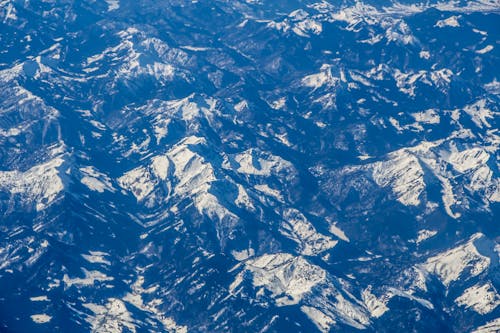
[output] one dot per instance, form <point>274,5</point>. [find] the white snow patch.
<point>139,181</point>
<point>10,11</point>
<point>296,227</point>
<point>303,28</point>
<point>195,175</point>
<point>40,185</point>
<point>160,166</point>
<point>404,174</point>
<point>480,113</point>
<point>208,204</point>
<point>151,306</point>
<point>338,232</point>
<point>41,318</point>
<point>279,103</point>
<point>425,234</point>
<point>288,278</point>
<point>402,293</point>
<point>241,106</point>
<point>90,278</point>
<point>252,162</point>
<point>482,179</point>
<point>111,318</point>
<point>376,306</point>
<point>324,77</point>
<point>485,49</point>
<point>490,327</point>
<point>243,254</point>
<point>468,159</point>
<point>142,181</point>
<point>321,320</point>
<point>451,21</point>
<point>194,48</point>
<point>113,4</point>
<point>95,180</point>
<point>427,117</point>
<point>481,298</point>
<point>482,33</point>
<point>448,196</point>
<point>192,171</point>
<point>188,109</point>
<point>97,257</point>
<point>425,55</point>
<point>243,199</point>
<point>273,193</point>
<point>450,265</point>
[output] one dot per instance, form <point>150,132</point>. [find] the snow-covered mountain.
<point>249,166</point>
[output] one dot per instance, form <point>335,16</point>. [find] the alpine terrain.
<point>249,166</point>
